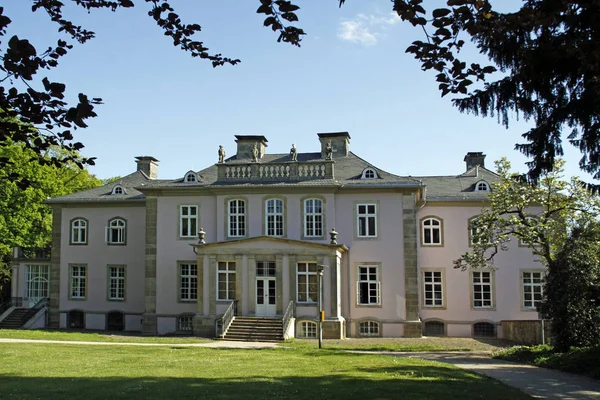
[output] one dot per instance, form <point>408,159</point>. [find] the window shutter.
<point>357,292</point>
<point>107,234</point>
<point>378,292</point>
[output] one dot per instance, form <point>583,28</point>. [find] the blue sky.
<point>351,74</point>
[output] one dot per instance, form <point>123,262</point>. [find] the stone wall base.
<point>203,326</point>
<point>413,329</point>
<point>334,329</point>
<point>149,324</point>
<point>525,332</point>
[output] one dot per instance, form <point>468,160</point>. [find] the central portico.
<point>264,275</point>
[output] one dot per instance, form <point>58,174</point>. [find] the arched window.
<point>79,231</point>
<point>307,330</point>
<point>115,231</point>
<point>190,177</point>
<point>431,234</point>
<point>237,218</point>
<point>368,328</point>
<point>274,217</point>
<point>184,323</point>
<point>433,328</point>
<point>484,329</point>
<point>313,218</point>
<point>118,189</point>
<point>482,186</point>
<point>369,173</point>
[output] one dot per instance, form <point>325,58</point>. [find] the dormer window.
<point>482,186</point>
<point>190,177</point>
<point>118,189</point>
<point>369,173</point>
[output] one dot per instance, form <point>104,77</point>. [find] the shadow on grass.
<point>406,382</point>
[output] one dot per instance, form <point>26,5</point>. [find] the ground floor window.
<point>115,321</point>
<point>433,328</point>
<point>307,283</point>
<point>308,330</point>
<point>484,329</point>
<point>368,328</point>
<point>226,280</point>
<point>76,319</point>
<point>368,286</point>
<point>184,323</point>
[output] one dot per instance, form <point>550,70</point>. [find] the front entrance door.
<point>265,297</point>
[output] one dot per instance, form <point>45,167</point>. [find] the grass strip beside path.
<point>71,336</point>
<point>32,371</point>
<point>582,361</point>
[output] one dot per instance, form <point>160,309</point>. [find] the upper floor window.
<point>532,288</point>
<point>190,177</point>
<point>115,231</point>
<point>366,215</point>
<point>188,221</point>
<point>237,218</point>
<point>369,173</point>
<point>274,217</point>
<point>118,189</point>
<point>431,231</point>
<point>482,186</point>
<point>474,227</point>
<point>79,231</point>
<point>313,218</point>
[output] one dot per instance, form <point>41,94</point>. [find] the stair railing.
<point>5,306</point>
<point>42,303</point>
<point>222,324</point>
<point>287,317</point>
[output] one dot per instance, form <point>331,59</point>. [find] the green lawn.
<point>34,371</point>
<point>93,337</point>
<point>581,361</point>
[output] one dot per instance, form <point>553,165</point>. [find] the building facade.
<point>170,256</point>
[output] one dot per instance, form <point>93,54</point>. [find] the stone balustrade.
<point>282,172</point>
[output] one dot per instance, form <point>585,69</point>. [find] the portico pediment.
<point>268,242</point>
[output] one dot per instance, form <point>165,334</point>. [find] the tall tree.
<point>558,221</point>
<point>24,218</point>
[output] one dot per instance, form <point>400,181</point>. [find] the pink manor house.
<point>238,250</point>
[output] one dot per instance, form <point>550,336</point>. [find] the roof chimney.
<point>340,141</point>
<point>245,146</point>
<point>473,159</point>
<point>148,165</point>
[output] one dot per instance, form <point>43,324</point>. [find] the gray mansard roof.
<point>457,187</point>
<point>347,174</point>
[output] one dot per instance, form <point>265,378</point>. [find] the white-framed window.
<point>482,186</point>
<point>118,189</point>
<point>37,281</point>
<point>115,231</point>
<point>313,218</point>
<point>274,217</point>
<point>188,282</point>
<point>185,323</point>
<point>116,283</point>
<point>79,228</point>
<point>308,330</point>
<point>368,328</point>
<point>431,231</point>
<point>366,220</point>
<point>532,288</point>
<point>226,280</point>
<point>433,289</point>
<point>190,177</point>
<point>369,173</point>
<point>482,282</point>
<point>307,284</point>
<point>188,221</point>
<point>237,218</point>
<point>77,282</point>
<point>368,287</point>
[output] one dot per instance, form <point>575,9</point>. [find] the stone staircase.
<point>17,318</point>
<point>255,329</point>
